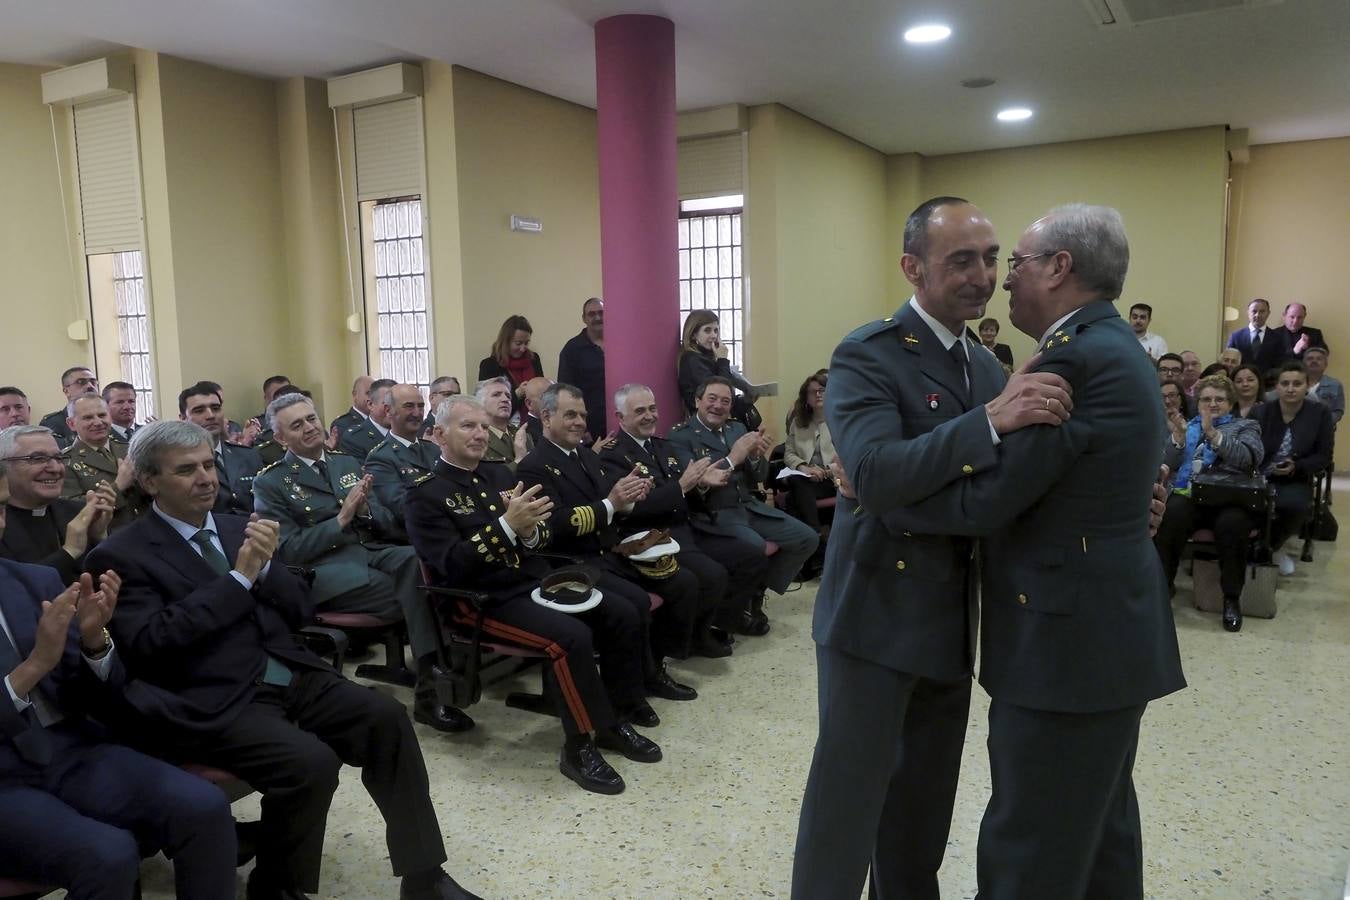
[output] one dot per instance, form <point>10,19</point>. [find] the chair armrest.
<point>325,641</point>
<point>477,598</point>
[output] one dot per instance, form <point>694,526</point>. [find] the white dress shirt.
<point>45,713</point>
<point>187,530</point>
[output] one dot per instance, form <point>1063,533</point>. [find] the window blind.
<point>389,150</point>
<point>109,174</point>
<point>710,167</point>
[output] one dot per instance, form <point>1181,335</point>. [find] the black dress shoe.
<point>625,739</point>
<point>443,718</point>
<point>439,887</point>
<point>581,761</point>
<point>708,645</point>
<point>260,889</point>
<point>644,715</point>
<point>1232,614</point>
<point>750,625</point>
<point>667,688</point>
<point>246,836</point>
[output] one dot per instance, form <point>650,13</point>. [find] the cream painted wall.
<point>519,151</point>
<point>904,191</point>
<point>1289,223</point>
<point>1168,186</point>
<point>443,237</point>
<point>34,254</point>
<point>818,246</point>
<point>222,167</point>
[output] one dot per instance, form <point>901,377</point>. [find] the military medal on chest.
<point>933,401</point>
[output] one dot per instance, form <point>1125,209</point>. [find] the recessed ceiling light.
<point>927,34</point>
<point>1014,114</point>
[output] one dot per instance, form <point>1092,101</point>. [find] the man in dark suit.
<point>236,466</point>
<point>582,363</point>
<point>586,503</point>
<point>1260,346</point>
<point>913,402</point>
<point>731,573</point>
<point>42,527</point>
<point>1077,630</point>
<point>475,526</point>
<point>205,625</point>
<point>1296,337</point>
<point>79,811</point>
<point>75,382</point>
<point>404,456</point>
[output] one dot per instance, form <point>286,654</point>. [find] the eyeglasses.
<point>38,460</point>
<point>89,382</point>
<point>816,392</point>
<point>1015,261</point>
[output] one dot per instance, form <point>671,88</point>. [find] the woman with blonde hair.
<point>511,358</point>
<point>703,355</point>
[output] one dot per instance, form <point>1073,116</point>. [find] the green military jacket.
<point>88,466</point>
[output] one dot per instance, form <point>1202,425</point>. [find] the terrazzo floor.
<point>1243,778</point>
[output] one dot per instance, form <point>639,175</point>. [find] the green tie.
<point>276,672</point>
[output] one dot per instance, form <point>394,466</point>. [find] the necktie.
<point>34,744</point>
<point>322,468</point>
<point>1256,341</point>
<point>958,354</point>
<point>276,672</point>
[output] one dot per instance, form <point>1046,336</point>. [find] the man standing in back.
<point>582,363</point>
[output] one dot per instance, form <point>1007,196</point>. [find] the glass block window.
<point>710,268</point>
<point>399,307</point>
<point>133,329</point>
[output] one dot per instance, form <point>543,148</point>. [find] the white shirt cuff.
<point>992,433</point>
<point>609,510</point>
<point>20,703</point>
<point>248,585</point>
<point>506,529</point>
<point>103,666</point>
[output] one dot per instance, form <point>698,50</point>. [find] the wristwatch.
<point>100,652</point>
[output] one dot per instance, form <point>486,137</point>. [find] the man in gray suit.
<point>913,403</point>
<point>1078,633</point>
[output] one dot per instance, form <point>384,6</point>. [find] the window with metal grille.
<point>396,296</point>
<point>121,317</point>
<point>710,266</point>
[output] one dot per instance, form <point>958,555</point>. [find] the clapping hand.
<point>125,474</point>
<point>94,608</point>
<point>260,543</point>
<point>1157,504</point>
<point>693,474</point>
<point>628,490</point>
<point>354,504</point>
<point>53,629</point>
<point>526,509</point>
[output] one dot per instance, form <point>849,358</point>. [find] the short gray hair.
<point>548,400</point>
<point>1095,237</point>
<point>92,395</point>
<point>480,392</point>
<point>9,438</point>
<point>448,405</point>
<point>283,402</point>
<point>149,443</point>
<point>621,395</point>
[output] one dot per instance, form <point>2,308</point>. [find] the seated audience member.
<point>512,359</point>
<point>1214,368</point>
<point>581,363</point>
<point>121,399</point>
<point>733,510</point>
<point>14,408</point>
<point>1298,438</point>
<point>1190,371</point>
<point>271,384</point>
<point>529,419</point>
<point>79,811</point>
<point>95,458</point>
<point>1174,410</point>
<point>361,438</point>
<point>507,443</point>
<point>989,338</point>
<point>1294,336</point>
<point>205,624</point>
<point>1141,316</point>
<point>43,528</point>
<point>730,573</point>
<point>1259,345</point>
<point>266,442</point>
<point>1321,387</point>
<point>475,526</point>
<point>1247,382</point>
<point>809,450</point>
<point>1230,358</point>
<point>703,356</point>
<point>440,390</point>
<point>404,456</point>
<point>1220,441</point>
<point>75,382</point>
<point>355,417</point>
<point>586,503</point>
<point>230,429</point>
<point>331,522</point>
<point>1169,369</point>
<point>236,465</point>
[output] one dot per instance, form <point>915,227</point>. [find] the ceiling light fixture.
<point>1014,114</point>
<point>927,34</point>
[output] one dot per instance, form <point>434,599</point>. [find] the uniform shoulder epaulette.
<point>678,426</point>
<point>270,466</point>
<point>421,479</point>
<point>871,329</point>
<point>378,446</point>
<point>336,452</point>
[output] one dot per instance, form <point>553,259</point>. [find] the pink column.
<point>639,206</point>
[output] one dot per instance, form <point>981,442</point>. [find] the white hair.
<point>621,395</point>
<point>447,407</point>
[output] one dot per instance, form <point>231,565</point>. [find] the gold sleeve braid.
<point>583,519</point>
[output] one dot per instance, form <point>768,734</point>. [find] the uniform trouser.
<point>796,542</point>
<point>1231,525</point>
<point>745,566</point>
<point>613,627</point>
<point>81,822</point>
<point>671,627</point>
<point>392,591</point>
<point>289,743</point>
<point>1062,822</point>
<point>882,782</point>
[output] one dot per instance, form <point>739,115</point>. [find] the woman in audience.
<point>1215,441</point>
<point>1247,383</point>
<point>511,358</point>
<point>809,450</point>
<point>1297,436</point>
<point>703,355</point>
<point>989,337</point>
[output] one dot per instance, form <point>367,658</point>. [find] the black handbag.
<point>1242,490</point>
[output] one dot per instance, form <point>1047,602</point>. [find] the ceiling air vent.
<point>1136,12</point>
